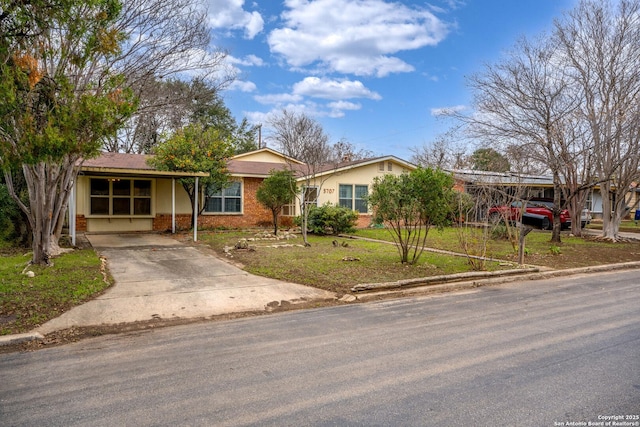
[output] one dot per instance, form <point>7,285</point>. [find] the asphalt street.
<point>536,353</point>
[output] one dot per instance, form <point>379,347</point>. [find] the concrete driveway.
<point>157,277</point>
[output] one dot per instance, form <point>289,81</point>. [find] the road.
<point>539,353</point>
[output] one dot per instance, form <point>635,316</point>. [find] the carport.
<point>119,192</point>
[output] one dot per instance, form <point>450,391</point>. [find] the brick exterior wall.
<point>254,214</point>
<point>81,223</point>
<point>364,221</point>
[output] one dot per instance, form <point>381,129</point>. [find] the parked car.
<point>538,213</point>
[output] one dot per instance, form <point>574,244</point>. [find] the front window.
<point>120,197</point>
<point>227,200</point>
<point>288,210</point>
<point>353,197</point>
<point>311,196</point>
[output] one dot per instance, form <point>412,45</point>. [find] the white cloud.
<point>230,15</point>
<point>443,111</point>
<point>278,98</point>
<point>242,86</point>
<point>344,105</point>
<point>333,89</point>
<point>354,36</point>
<point>338,108</point>
<point>247,61</point>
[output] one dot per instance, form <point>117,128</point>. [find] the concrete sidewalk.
<point>157,277</point>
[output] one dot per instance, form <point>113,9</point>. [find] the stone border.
<point>432,280</point>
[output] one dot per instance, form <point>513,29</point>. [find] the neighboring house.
<point>528,186</point>
<point>119,192</point>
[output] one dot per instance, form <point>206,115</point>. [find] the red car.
<point>537,213</point>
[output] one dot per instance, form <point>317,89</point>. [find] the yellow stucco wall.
<point>261,156</point>
<point>163,203</point>
<point>364,175</point>
<point>159,205</point>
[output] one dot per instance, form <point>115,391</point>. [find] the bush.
<point>330,219</point>
<point>9,217</point>
<point>500,232</point>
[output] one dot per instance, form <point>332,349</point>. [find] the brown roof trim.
<point>128,164</point>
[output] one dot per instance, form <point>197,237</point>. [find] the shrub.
<point>10,219</point>
<point>555,250</point>
<point>500,232</point>
<point>330,219</point>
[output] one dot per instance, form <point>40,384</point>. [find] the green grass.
<point>571,252</point>
<point>447,239</point>
<point>27,302</point>
<point>626,225</point>
<point>323,264</point>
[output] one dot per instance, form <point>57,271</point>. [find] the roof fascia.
<point>361,164</point>
<point>141,172</point>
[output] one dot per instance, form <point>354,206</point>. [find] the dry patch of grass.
<point>332,263</point>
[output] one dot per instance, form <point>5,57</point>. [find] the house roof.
<point>129,164</point>
<point>136,164</point>
<point>501,178</point>
<point>253,169</point>
<point>332,168</point>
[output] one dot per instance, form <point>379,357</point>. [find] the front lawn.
<point>572,252</point>
<point>28,302</point>
<point>332,263</point>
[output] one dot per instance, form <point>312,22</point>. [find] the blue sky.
<point>370,71</point>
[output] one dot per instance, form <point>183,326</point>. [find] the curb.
<point>20,338</point>
<point>541,275</point>
<point>443,279</point>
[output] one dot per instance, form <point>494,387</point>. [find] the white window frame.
<point>223,197</point>
<point>132,197</point>
<point>353,198</point>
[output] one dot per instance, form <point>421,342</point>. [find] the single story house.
<point>118,192</point>
<point>471,181</point>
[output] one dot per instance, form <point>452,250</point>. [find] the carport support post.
<point>72,213</point>
<point>173,206</point>
<point>195,213</point>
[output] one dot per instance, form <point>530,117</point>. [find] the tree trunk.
<point>557,208</point>
<point>521,242</point>
<point>48,186</point>
<point>305,221</point>
<point>576,205</point>
<point>609,232</point>
<point>274,212</point>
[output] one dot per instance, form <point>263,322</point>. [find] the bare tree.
<point>445,152</point>
<point>601,41</point>
<point>302,138</point>
<point>172,105</point>
<point>167,43</point>
<point>521,161</point>
<point>344,151</point>
<point>527,100</point>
